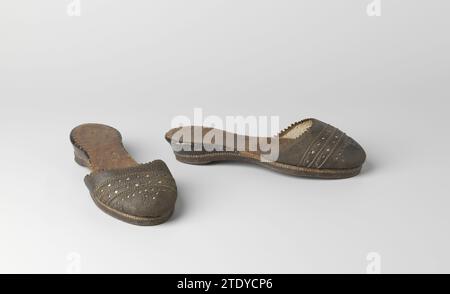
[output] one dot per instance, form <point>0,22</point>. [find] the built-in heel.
<point>81,157</point>
<point>192,159</point>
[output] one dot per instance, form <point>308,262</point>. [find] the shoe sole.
<point>215,156</point>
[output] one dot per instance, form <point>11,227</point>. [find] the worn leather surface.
<point>146,190</point>
<point>321,146</point>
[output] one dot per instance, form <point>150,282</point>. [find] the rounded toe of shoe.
<point>350,157</point>
<point>353,156</point>
<point>159,203</point>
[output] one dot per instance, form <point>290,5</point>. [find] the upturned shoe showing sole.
<point>309,148</point>
<point>140,194</point>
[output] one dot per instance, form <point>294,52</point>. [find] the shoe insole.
<point>99,147</point>
<point>219,139</point>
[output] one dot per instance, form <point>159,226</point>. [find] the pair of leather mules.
<point>145,194</point>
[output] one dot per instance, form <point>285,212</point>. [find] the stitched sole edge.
<point>201,159</point>
<point>131,219</point>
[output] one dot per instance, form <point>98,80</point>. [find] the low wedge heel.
<point>80,157</point>
<point>139,194</point>
<point>192,159</point>
<point>308,148</point>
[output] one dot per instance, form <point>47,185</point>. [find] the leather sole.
<point>215,156</point>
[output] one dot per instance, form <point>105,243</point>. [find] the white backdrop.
<point>137,64</point>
